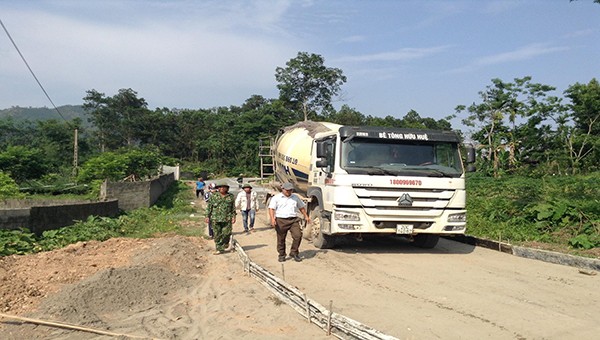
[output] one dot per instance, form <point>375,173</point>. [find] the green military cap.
<point>221,184</point>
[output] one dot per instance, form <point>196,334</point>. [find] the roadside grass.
<point>559,213</point>
<point>170,215</point>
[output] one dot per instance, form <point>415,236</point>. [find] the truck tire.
<point>319,239</point>
<point>323,241</point>
<point>426,241</point>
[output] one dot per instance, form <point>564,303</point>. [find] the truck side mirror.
<point>321,150</point>
<point>322,161</point>
<point>470,154</point>
<point>470,150</point>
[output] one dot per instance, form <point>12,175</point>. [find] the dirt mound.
<point>27,279</point>
<point>167,288</point>
<point>111,295</point>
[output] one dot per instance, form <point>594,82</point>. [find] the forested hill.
<point>43,113</point>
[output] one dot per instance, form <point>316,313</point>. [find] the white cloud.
<point>523,53</point>
<point>209,60</point>
<point>579,33</point>
<point>403,54</point>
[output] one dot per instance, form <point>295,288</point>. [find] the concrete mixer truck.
<point>374,180</point>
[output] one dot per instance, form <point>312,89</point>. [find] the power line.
<point>32,73</point>
<point>75,147</point>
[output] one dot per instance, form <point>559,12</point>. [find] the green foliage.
<point>94,228</point>
<point>23,163</point>
<point>54,184</point>
<point>42,113</point>
<point>307,85</point>
<point>127,163</point>
<point>17,242</point>
<point>120,120</point>
<point>8,187</point>
<point>562,210</point>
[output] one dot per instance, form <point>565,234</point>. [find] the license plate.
<point>404,229</point>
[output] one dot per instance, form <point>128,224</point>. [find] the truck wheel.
<point>319,239</point>
<point>426,241</point>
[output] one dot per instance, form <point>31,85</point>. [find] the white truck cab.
<point>376,180</point>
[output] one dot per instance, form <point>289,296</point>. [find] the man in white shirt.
<point>283,210</point>
<point>247,202</point>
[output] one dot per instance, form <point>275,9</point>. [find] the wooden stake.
<point>307,307</point>
<point>329,317</point>
<point>72,327</point>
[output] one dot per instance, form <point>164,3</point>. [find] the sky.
<point>398,55</point>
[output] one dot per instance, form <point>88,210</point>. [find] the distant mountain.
<point>44,113</point>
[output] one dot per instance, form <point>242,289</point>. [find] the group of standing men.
<point>283,208</point>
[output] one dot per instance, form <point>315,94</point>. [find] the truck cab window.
<point>400,157</point>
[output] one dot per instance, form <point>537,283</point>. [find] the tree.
<point>307,85</point>
<point>582,140</point>
<point>23,163</point>
<point>504,104</point>
<point>347,116</point>
<point>125,164</point>
<point>119,119</point>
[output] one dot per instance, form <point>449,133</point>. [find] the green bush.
<point>8,187</point>
<point>556,209</point>
<point>135,164</point>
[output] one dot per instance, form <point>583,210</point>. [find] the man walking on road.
<point>246,201</point>
<point>220,213</point>
<point>283,210</point>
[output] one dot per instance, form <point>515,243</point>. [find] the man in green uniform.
<point>220,212</point>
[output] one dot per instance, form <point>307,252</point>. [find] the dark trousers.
<point>282,227</point>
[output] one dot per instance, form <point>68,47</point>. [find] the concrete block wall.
<point>14,218</point>
<point>160,185</point>
<point>39,216</point>
<point>165,169</point>
<point>44,218</point>
<point>135,195</point>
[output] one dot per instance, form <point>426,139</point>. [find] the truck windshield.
<point>369,156</point>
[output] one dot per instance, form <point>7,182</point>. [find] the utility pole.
<point>75,147</point>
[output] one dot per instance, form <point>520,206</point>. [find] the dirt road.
<point>173,288</point>
<point>454,291</point>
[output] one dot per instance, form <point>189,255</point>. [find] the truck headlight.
<point>457,218</point>
<point>346,216</point>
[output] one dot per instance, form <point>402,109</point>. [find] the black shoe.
<point>281,259</point>
<point>297,258</point>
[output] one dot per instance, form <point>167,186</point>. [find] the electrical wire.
<point>33,74</point>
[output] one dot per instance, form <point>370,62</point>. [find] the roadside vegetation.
<point>170,215</point>
<point>537,174</point>
<point>555,213</point>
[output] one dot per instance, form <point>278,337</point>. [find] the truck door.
<point>324,160</point>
